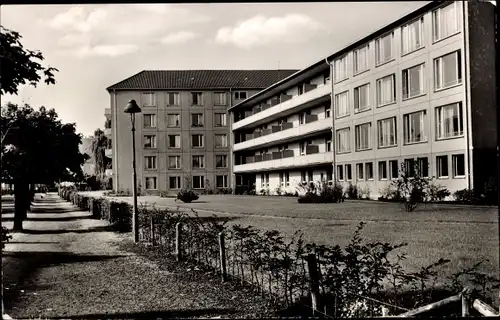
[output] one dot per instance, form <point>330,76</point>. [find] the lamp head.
<point>132,107</point>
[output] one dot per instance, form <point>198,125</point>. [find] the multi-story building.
<point>420,89</point>
<point>109,138</point>
<point>182,133</point>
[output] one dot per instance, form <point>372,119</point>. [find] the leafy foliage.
<point>320,192</point>
<point>187,195</point>
<point>99,145</point>
<point>410,186</point>
<point>20,65</point>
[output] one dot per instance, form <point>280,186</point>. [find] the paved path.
<point>67,265</point>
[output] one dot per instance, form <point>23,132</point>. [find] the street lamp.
<point>132,108</point>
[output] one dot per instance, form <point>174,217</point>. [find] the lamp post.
<point>132,108</point>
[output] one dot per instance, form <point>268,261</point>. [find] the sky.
<point>95,46</point>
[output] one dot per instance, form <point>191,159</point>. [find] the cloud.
<point>178,37</point>
<point>94,29</point>
<point>261,30</point>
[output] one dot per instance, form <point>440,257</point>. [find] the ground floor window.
<point>198,182</point>
<point>458,165</point>
<point>348,172</point>
<point>151,183</point>
<point>382,170</point>
<point>393,169</point>
<point>174,182</point>
<point>340,172</point>
<point>442,166</point>
<point>359,171</point>
<point>221,181</point>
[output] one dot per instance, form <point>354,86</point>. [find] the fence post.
<point>178,241</point>
<point>465,296</point>
<point>222,248</point>
<point>312,265</point>
<point>152,226</point>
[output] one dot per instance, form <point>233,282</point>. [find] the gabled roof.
<point>201,79</point>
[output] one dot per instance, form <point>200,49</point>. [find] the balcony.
<point>287,161</point>
<point>107,132</point>
<point>107,111</point>
<point>286,133</point>
<point>108,153</point>
<point>287,106</point>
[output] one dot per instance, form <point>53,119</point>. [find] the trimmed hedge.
<point>119,214</point>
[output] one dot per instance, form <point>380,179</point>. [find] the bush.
<point>352,191</point>
<point>187,195</point>
<point>5,236</point>
<point>436,193</point>
<point>321,192</point>
<point>465,196</point>
<point>410,187</point>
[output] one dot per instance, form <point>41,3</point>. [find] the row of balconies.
<point>277,128</point>
<point>285,159</point>
<point>281,104</point>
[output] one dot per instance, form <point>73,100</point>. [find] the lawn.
<point>463,234</point>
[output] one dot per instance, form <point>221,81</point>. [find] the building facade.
<point>86,148</point>
<point>182,133</point>
<point>420,89</point>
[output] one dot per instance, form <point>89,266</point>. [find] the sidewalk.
<point>67,265</point>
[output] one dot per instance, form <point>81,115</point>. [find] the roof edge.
<point>114,85</point>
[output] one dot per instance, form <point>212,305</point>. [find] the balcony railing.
<point>311,118</point>
<point>284,159</point>
<point>107,131</point>
<point>285,102</point>
<point>284,132</point>
<point>108,153</point>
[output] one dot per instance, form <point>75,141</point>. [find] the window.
<point>361,59</point>
<point>387,132</point>
<point>221,161</point>
<point>369,170</point>
<point>220,98</point>
<point>150,162</point>
<point>384,48</point>
<point>197,141</point>
<point>328,144</point>
<point>173,99</point>
<point>423,167</point>
<point>302,176</point>
<point>340,66</point>
<point>340,172</point>
<point>220,120</point>
<point>413,81</point>
<point>410,167</point>
<point>386,90</point>
<point>414,127</point>
<point>240,95</point>
<point>458,161</point>
<point>221,141</point>
<point>173,120</point>
<point>174,162</point>
<point>393,169</point>
<point>221,181</point>
<point>442,166</point>
<point>343,140</point>
<point>445,21</point>
<point>348,172</point>
<point>196,98</point>
<point>198,162</point>
<point>449,121</point>
<point>174,182</point>
<point>359,171</point>
<point>197,119</point>
<point>287,178</point>
<point>149,141</point>
<point>148,99</point>
<point>198,182</point>
<point>264,179</point>
<point>309,175</point>
<point>363,136</point>
<point>382,170</point>
<point>174,140</point>
<point>362,98</point>
<point>328,112</point>
<point>342,104</point>
<point>447,70</point>
<point>412,36</point>
<point>149,120</point>
<point>150,183</point>
<point>303,146</point>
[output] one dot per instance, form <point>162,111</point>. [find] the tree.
<point>99,145</point>
<point>39,149</point>
<point>19,65</point>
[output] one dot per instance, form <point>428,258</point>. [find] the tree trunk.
<point>21,203</point>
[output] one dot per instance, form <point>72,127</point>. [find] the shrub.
<point>187,195</point>
<point>321,192</point>
<point>410,186</point>
<point>5,236</point>
<point>436,193</point>
<point>352,191</point>
<point>490,192</point>
<point>465,196</point>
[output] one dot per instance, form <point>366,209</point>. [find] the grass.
<point>463,234</point>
